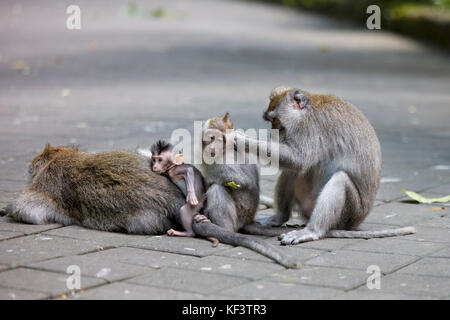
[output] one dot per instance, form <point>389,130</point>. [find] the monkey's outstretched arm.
<point>189,178</point>
<point>287,158</point>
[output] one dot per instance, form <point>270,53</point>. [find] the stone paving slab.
<point>430,234</point>
<point>233,54</point>
<point>320,276</point>
<point>443,189</point>
<point>9,235</point>
<point>444,253</point>
<point>401,214</point>
<point>189,246</point>
<point>361,260</point>
<point>92,266</point>
<point>363,293</point>
<point>129,291</point>
<point>51,283</point>
<point>299,254</point>
<point>438,267</point>
<point>232,266</point>
<point>442,221</point>
<point>105,239</point>
<point>198,281</point>
<point>143,257</point>
<point>420,286</point>
<point>12,185</point>
<point>20,251</point>
<point>280,290</point>
<point>8,224</point>
<point>397,246</point>
<point>403,286</point>
<point>16,294</point>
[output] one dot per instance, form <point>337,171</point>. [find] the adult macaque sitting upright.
<point>331,162</point>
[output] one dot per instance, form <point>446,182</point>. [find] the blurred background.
<point>137,70</point>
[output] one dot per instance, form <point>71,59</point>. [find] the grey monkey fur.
<point>113,191</point>
<point>232,210</point>
<point>331,165</point>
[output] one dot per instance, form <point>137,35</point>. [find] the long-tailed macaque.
<point>233,197</point>
<point>112,191</point>
<point>167,161</point>
<point>331,162</point>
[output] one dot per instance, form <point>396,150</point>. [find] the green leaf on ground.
<point>419,198</point>
<point>232,185</point>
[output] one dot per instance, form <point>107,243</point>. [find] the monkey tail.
<point>370,234</point>
<point>8,210</point>
<point>208,229</point>
<point>261,230</point>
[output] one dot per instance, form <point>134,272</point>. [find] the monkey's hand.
<point>236,137</point>
<point>200,218</point>
<point>191,199</point>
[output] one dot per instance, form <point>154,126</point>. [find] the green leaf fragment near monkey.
<point>232,185</point>
<point>421,199</point>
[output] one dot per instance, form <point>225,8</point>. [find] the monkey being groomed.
<point>331,165</point>
<point>116,191</point>
<point>233,197</point>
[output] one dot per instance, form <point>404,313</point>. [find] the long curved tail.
<point>208,229</point>
<point>370,234</point>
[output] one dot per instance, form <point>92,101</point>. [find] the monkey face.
<point>161,163</point>
<point>286,108</point>
<point>213,143</point>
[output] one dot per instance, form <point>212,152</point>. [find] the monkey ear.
<point>226,120</point>
<point>301,101</point>
<point>178,159</point>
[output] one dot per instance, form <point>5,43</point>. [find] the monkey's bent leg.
<point>327,213</point>
<point>187,214</point>
<point>35,208</point>
<point>284,199</point>
<point>221,208</point>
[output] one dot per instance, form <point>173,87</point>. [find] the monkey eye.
<point>213,138</point>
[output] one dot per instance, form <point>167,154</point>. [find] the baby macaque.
<point>166,160</point>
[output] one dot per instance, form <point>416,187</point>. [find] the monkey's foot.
<point>298,236</point>
<point>172,232</point>
<point>200,218</point>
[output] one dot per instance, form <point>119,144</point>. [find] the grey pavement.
<point>132,75</point>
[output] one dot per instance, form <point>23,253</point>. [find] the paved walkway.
<point>133,74</point>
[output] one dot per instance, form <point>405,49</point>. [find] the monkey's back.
<point>350,145</point>
<point>108,191</point>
